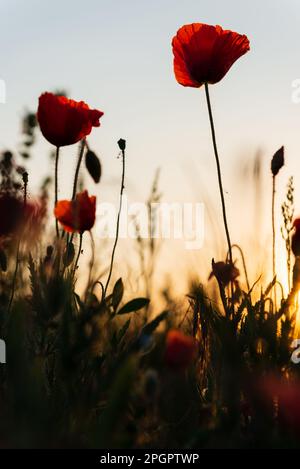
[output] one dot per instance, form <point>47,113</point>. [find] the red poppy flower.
<point>287,395</point>
<point>204,53</point>
<point>225,272</point>
<point>180,350</point>
<point>64,121</point>
<point>77,215</point>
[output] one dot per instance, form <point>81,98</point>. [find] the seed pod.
<point>277,161</point>
<point>122,144</point>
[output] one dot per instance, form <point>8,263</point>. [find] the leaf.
<point>134,305</point>
<point>93,165</point>
<point>118,402</point>
<point>149,328</point>
<point>269,287</point>
<point>117,293</point>
<point>123,331</point>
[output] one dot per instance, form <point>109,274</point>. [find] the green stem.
<point>244,264</point>
<point>78,255</point>
<point>273,235</point>
<point>218,171</point>
<point>81,152</point>
<point>56,187</point>
<point>273,228</point>
<point>118,223</point>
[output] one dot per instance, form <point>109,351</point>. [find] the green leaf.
<point>269,287</point>
<point>117,293</point>
<point>149,328</point>
<point>123,330</point>
<point>134,305</point>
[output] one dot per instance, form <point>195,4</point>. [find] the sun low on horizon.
<point>149,228</point>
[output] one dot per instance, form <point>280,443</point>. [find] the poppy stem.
<point>79,252</point>
<point>56,188</point>
<point>81,152</point>
<point>273,234</point>
<point>118,223</point>
<point>219,171</point>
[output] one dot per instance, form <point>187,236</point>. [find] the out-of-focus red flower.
<point>77,215</point>
<point>17,218</point>
<point>180,350</point>
<point>64,121</point>
<point>35,212</point>
<point>287,395</point>
<point>296,238</point>
<point>225,272</point>
<point>11,213</point>
<point>204,53</point>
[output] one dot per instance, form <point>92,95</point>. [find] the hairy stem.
<point>273,235</point>
<point>56,187</point>
<point>218,171</point>
<point>118,223</point>
<point>81,152</point>
<point>78,255</point>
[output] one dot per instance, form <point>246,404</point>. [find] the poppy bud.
<point>122,144</point>
<point>277,161</point>
<point>93,165</point>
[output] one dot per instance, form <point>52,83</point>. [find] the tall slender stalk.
<point>80,156</point>
<point>218,171</point>
<point>81,152</point>
<point>56,187</point>
<point>273,227</point>
<point>79,252</point>
<point>273,235</point>
<point>244,264</point>
<point>118,222</point>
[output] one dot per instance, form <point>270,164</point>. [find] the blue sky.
<point>116,55</point>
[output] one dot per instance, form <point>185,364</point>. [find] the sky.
<point>116,55</point>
